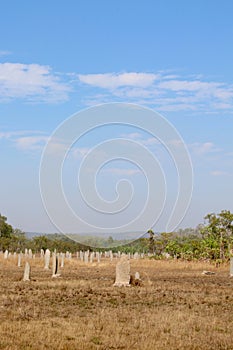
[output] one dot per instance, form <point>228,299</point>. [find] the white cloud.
<point>80,152</point>
<point>203,148</point>
<point>151,141</point>
<point>116,80</point>
<point>184,85</point>
<point>30,143</point>
<point>4,53</point>
<point>176,142</point>
<point>136,136</point>
<point>25,140</point>
<point>35,141</point>
<point>222,106</point>
<point>56,146</point>
<point>123,172</point>
<point>163,91</point>
<point>132,136</point>
<point>33,82</point>
<point>13,134</point>
<point>219,173</point>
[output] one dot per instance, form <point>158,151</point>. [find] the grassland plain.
<point>176,307</point>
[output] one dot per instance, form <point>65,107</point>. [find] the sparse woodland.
<point>212,240</point>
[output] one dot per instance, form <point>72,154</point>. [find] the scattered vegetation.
<point>211,241</point>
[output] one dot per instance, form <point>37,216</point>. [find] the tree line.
<point>212,240</point>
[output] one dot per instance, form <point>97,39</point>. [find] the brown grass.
<point>176,307</point>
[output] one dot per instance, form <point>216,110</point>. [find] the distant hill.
<point>31,235</point>
<point>116,236</point>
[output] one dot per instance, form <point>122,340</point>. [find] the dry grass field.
<point>175,308</point>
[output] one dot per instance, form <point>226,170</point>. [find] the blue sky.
<point>58,58</point>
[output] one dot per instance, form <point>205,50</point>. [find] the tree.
<point>219,233</point>
<point>6,230</point>
<point>11,239</point>
<point>151,241</point>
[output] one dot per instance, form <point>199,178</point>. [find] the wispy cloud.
<point>31,82</point>
<point>122,172</point>
<point>80,152</point>
<point>117,80</point>
<point>4,53</point>
<point>35,141</point>
<point>198,150</point>
<point>164,91</point>
<point>25,140</point>
<point>161,90</point>
<point>15,133</point>
<point>219,173</point>
<point>132,136</point>
<point>146,141</point>
<point>31,143</point>
<point>203,148</point>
